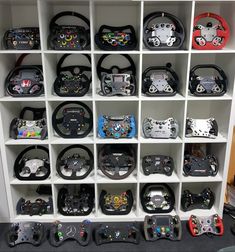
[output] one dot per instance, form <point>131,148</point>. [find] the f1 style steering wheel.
<point>73,164</point>
<point>210,37</point>
<point>32,168</point>
<point>75,121</point>
<point>72,80</point>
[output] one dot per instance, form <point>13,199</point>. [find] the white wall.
<point>4,210</point>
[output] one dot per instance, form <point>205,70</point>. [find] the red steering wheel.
<point>210,37</point>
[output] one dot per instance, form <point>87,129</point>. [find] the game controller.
<point>162,227</point>
<point>203,200</point>
<point>210,37</point>
<point>160,81</point>
<point>72,81</point>
<point>157,198</point>
<point>116,80</point>
<point>32,168</point>
<point>75,162</point>
<point>25,232</point>
<point>116,38</point>
<point>201,128</point>
<point>116,127</point>
<point>200,166</point>
<point>161,164</point>
<point>168,128</point>
<point>205,85</point>
<point>39,207</point>
<point>76,120</point>
<point>206,225</point>
<point>25,38</point>
<point>21,128</point>
<point>163,35</point>
<point>69,37</point>
<point>24,80</point>
<point>61,232</point>
<point>116,204</point>
<point>117,233</point>
<point>73,202</point>
<point>117,161</point>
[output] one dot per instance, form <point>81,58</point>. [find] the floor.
<point>188,243</point>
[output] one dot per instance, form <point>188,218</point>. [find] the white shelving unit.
<point>18,13</point>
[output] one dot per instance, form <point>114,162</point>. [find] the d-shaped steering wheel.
<point>76,120</point>
<point>73,164</point>
<point>210,37</point>
<point>32,168</point>
<point>72,80</point>
<point>117,161</point>
<point>122,82</point>
<point>161,35</point>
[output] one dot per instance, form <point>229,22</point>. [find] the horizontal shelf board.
<point>126,217</point>
<point>151,140</point>
<point>225,50</point>
<point>197,212</point>
<point>158,178</point>
<point>191,179</point>
<point>64,218</point>
<point>68,51</point>
<point>97,51</point>
<point>59,140</point>
<point>26,142</point>
<point>20,51</point>
<point>102,179</point>
<point>61,181</point>
<point>98,97</point>
<point>16,181</point>
<point>20,99</point>
<point>207,98</point>
<point>146,51</point>
<point>177,97</point>
<point>42,218</point>
<point>87,97</point>
<point>111,140</point>
<point>218,139</point>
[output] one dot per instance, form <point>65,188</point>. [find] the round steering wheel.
<point>117,161</point>
<point>72,80</point>
<point>210,37</point>
<point>163,35</point>
<point>102,73</point>
<point>75,122</point>
<point>74,166</point>
<point>35,168</point>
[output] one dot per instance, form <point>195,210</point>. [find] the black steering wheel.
<point>207,85</point>
<point>75,122</point>
<point>72,80</point>
<point>161,35</point>
<point>72,165</point>
<point>32,168</point>
<point>117,161</point>
<point>103,75</point>
<point>157,198</point>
